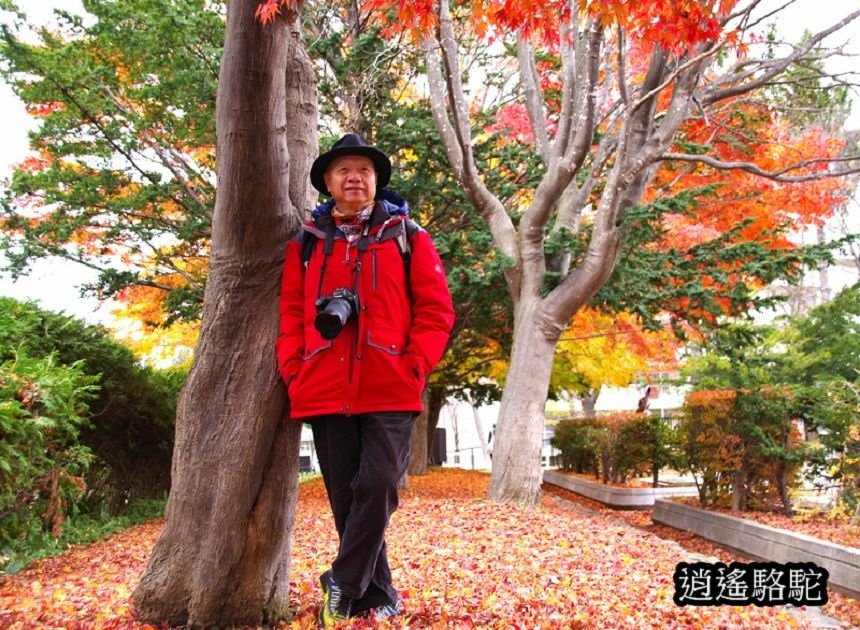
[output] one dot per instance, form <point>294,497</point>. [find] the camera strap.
<point>328,247</point>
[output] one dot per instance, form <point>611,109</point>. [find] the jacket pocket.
<point>392,344</point>
<point>314,345</point>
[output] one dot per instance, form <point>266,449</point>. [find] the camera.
<point>333,311</point>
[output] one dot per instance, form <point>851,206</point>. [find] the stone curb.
<point>613,496</point>
<point>763,542</point>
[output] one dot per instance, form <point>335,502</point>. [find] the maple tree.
<point>601,349</point>
<point>607,88</point>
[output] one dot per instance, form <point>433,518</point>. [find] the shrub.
<point>43,407</point>
<point>647,442</point>
<point>132,414</point>
<point>576,438</point>
<point>743,445</point>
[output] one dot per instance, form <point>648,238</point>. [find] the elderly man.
<point>365,317</point>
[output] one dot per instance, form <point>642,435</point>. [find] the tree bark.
<point>224,555</point>
<point>516,474</point>
<point>420,440</point>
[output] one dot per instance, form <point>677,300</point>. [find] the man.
<point>365,317</point>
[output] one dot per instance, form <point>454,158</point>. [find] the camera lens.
<point>330,320</point>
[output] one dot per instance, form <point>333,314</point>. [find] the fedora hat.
<point>351,144</point>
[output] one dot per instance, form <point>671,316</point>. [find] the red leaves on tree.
<point>675,25</point>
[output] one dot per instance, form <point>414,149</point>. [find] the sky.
<point>55,286</point>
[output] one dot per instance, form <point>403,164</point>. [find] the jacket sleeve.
<point>291,339</point>
<point>432,309</point>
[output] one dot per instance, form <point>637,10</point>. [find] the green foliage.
<point>124,152</point>
<point>576,438</point>
<point>43,407</point>
<point>616,446</point>
<point>815,362</point>
<point>648,281</point>
<point>827,342</point>
<point>130,427</point>
<point>79,528</point>
<point>649,442</point>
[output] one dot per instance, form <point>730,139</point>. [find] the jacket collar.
<point>388,205</point>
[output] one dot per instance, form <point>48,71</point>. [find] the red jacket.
<point>381,358</point>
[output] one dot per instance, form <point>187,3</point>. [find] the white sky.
<point>55,286</point>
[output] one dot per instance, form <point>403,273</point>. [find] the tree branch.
<point>778,175</point>
<point>773,67</point>
<point>533,96</point>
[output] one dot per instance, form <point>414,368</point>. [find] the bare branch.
<point>778,175</point>
<point>456,136</point>
<point>440,113</point>
<point>622,69</point>
<point>533,96</point>
<point>569,34</point>
<point>741,83</point>
<point>672,76</point>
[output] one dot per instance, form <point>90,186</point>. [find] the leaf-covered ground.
<point>459,561</point>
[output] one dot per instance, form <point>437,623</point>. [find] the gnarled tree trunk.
<point>224,555</point>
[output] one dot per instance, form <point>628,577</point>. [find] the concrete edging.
<point>763,542</point>
<point>614,496</point>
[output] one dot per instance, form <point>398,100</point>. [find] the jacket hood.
<point>392,202</point>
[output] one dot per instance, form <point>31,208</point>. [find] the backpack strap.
<point>408,230</point>
<point>308,236</point>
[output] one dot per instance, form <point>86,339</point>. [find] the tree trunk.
<point>782,475</point>
<point>516,475</point>
<point>479,428</point>
<point>224,555</point>
<point>420,442</point>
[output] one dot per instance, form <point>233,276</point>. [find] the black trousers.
<point>362,458</point>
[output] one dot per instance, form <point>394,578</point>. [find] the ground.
<point>458,560</point>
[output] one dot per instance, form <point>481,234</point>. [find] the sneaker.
<point>385,612</point>
<point>336,606</point>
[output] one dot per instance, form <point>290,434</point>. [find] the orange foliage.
<point>40,110</point>
<point>676,25</point>
<point>754,134</point>
<point>459,562</point>
<point>656,347</point>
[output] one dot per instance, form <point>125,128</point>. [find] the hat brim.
<point>380,162</point>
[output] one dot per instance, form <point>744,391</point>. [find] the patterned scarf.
<point>351,226</point>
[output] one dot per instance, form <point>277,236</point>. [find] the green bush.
<point>576,438</point>
<point>648,444</point>
<point>86,433</point>
<point>131,417</point>
<point>78,529</point>
<point>615,446</point>
<point>43,407</point>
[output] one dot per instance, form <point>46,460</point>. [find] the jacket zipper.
<point>373,267</point>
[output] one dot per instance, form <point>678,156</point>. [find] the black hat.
<point>351,144</point>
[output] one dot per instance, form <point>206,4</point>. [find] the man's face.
<point>351,180</point>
